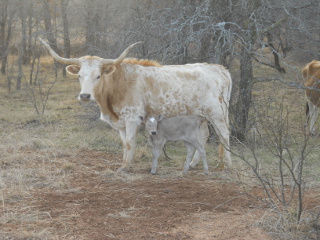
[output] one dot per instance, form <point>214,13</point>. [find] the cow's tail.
<point>230,87</point>
<point>228,97</point>
<point>165,153</point>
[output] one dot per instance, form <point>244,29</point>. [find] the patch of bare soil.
<point>103,204</point>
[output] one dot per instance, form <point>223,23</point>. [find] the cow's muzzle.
<point>85,97</point>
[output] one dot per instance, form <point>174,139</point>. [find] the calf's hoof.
<point>193,164</point>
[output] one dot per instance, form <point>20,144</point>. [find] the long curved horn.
<point>58,58</point>
<point>121,57</point>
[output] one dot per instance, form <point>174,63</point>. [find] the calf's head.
<point>90,70</point>
<point>151,123</point>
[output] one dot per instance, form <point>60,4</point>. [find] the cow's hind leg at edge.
<point>221,127</point>
<point>312,115</point>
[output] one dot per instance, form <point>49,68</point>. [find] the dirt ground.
<point>100,203</point>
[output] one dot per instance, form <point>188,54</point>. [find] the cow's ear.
<point>109,69</point>
<point>160,117</point>
<point>73,69</point>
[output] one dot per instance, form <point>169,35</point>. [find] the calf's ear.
<point>160,117</point>
<point>141,118</point>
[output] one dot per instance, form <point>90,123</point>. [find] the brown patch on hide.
<point>112,90</point>
<point>142,62</point>
<point>91,58</point>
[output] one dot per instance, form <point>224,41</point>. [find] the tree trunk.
<point>66,38</point>
<point>49,30</point>
<point>89,28</point>
<point>244,98</point>
<point>22,45</point>
<point>28,52</point>
<point>5,22</point>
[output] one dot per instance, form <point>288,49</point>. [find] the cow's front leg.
<point>123,140</point>
<point>129,145</point>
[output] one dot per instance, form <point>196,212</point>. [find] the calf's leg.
<point>203,134</point>
<point>156,151</point>
<point>157,146</point>
<point>190,152</point>
<point>195,159</point>
<point>202,152</point>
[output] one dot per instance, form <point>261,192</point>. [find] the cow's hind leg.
<point>221,156</point>
<point>221,128</point>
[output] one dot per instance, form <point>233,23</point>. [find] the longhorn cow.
<point>126,89</point>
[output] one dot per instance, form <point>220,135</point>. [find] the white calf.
<point>190,129</point>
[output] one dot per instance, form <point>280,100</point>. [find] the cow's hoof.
<point>122,169</point>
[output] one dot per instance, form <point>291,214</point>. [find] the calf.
<point>190,129</point>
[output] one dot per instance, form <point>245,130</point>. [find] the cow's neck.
<point>109,93</point>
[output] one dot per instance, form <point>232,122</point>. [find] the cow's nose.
<point>154,133</point>
<point>85,97</point>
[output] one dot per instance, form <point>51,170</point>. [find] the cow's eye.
<point>98,77</point>
<point>79,76</point>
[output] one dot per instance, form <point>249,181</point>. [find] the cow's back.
<point>186,89</point>
<point>311,75</point>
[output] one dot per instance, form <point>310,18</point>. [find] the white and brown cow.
<point>126,89</point>
<point>311,76</point>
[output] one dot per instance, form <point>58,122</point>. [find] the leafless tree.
<point>6,24</point>
<point>223,32</point>
<point>50,31</point>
